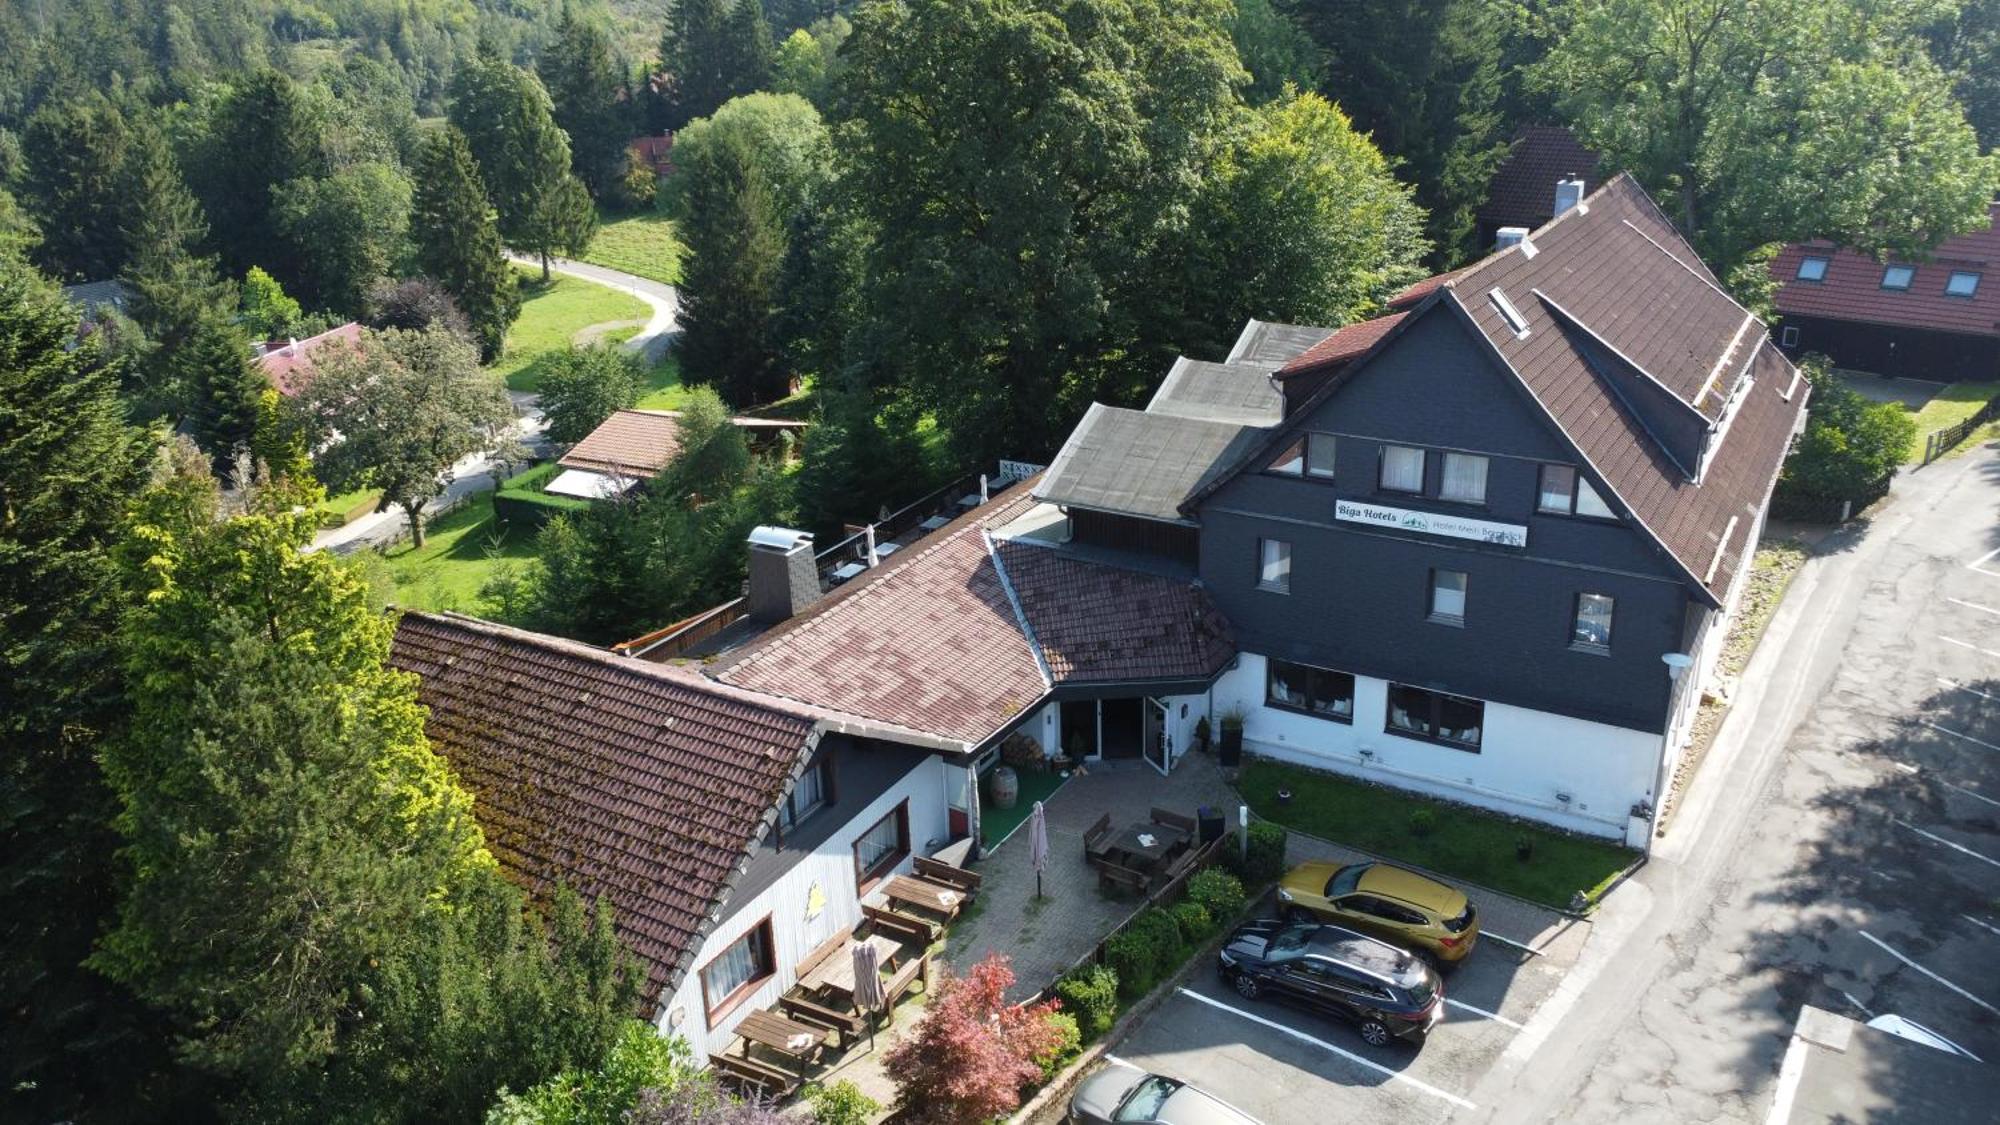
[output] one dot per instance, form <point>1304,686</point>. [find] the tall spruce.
<point>75,162</point>
<point>584,82</point>
<point>174,284</point>
<point>714,51</point>
<point>69,464</point>
<point>458,241</point>
<point>221,385</point>
<point>523,158</point>
<point>261,132</point>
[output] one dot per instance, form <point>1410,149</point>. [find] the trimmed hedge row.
<point>522,503</point>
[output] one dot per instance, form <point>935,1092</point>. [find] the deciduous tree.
<point>347,230</point>
<point>972,1052</point>
<point>582,387</point>
<point>268,312</point>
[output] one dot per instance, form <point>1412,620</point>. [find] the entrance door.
<point>1159,740</point>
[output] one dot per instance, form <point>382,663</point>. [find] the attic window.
<point>1812,269</point>
<point>1963,283</point>
<point>1516,323</point>
<point>1898,277</point>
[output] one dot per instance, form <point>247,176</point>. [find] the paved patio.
<point>1048,935</point>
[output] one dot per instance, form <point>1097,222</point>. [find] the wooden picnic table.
<point>837,971</point>
<point>1141,856</point>
<point>790,1038</point>
<point>929,896</point>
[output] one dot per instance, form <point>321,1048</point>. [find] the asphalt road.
<point>1840,847</point>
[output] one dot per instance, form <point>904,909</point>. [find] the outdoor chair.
<point>1112,875</point>
<point>903,979</point>
<point>755,1075</point>
<point>1093,840</point>
<point>812,961</point>
<point>901,925</point>
<point>1176,820</point>
<point>944,874</point>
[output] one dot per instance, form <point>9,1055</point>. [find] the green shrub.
<point>1194,922</point>
<point>842,1103</point>
<point>1265,860</point>
<point>1091,993</point>
<point>1423,821</point>
<point>1131,957</point>
<point>521,499</point>
<point>1219,892</point>
<point>1068,1044</point>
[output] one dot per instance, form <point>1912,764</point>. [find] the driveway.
<point>651,342</point>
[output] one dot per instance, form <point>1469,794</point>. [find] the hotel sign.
<point>1432,523</point>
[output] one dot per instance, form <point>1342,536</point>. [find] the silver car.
<point>1125,1095</point>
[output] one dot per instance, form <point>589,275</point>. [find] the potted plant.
<point>1232,737</point>
<point>1201,734</point>
<point>1524,847</point>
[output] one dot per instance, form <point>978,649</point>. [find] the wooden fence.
<point>1937,443</point>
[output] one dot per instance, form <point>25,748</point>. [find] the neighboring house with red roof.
<point>1522,192</point>
<point>289,363</point>
<point>655,151</point>
<point>1933,319</point>
<point>635,445</point>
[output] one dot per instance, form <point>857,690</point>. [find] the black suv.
<point>1388,992</point>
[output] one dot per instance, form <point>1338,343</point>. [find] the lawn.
<point>460,552</point>
<point>1463,843</point>
<point>350,506</point>
<point>663,390</point>
<point>552,314</point>
<point>642,244</point>
<point>1954,404</point>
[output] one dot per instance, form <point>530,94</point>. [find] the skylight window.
<point>1898,277</point>
<point>1516,323</point>
<point>1963,283</point>
<point>1812,269</point>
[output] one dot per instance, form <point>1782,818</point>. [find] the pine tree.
<point>221,385</point>
<point>173,285</point>
<point>458,242</point>
<point>583,84</point>
<point>749,48</point>
<point>736,249</point>
<point>694,49</point>
<point>75,159</point>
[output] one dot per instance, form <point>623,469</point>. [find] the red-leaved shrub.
<point>973,1052</point>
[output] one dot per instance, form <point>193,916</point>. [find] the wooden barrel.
<point>1006,787</point>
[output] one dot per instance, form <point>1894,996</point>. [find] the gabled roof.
<point>640,443</point>
<point>1522,192</point>
<point>93,296</point>
<point>1409,297</point>
<point>1219,392</point>
<point>1096,622</point>
<point>289,365</point>
<point>629,780</point>
<point>1268,344</point>
<point>1349,342</point>
<point>1142,463</point>
<point>1852,289</point>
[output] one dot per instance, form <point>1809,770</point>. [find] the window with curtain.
<point>734,970</point>
<point>1319,692</point>
<point>1464,478</point>
<point>1319,456</point>
<point>883,846</point>
<point>1592,627</point>
<point>1402,469</point>
<point>1274,565</point>
<point>808,796</point>
<point>1448,596</point>
<point>1435,716</point>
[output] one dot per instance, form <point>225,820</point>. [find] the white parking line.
<point>1886,948</point>
<point>1865,1013</point>
<point>1522,945</point>
<point>1949,844</point>
<point>1974,605</point>
<point>1957,734</point>
<point>1956,686</point>
<point>1979,564</point>
<point>1970,793</point>
<point>1386,1072</point>
<point>1969,644</point>
<point>1980,924</point>
<point>1496,1017</point>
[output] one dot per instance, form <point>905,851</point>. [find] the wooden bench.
<point>957,878</point>
<point>900,982</point>
<point>1184,863</point>
<point>755,1074</point>
<point>818,956</point>
<point>900,925</point>
<point>1113,875</point>
<point>848,1025</point>
<point>1176,820</point>
<point>1093,840</point>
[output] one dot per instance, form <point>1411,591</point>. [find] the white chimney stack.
<point>1569,193</point>
<point>1510,236</point>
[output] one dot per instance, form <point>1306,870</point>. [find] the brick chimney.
<point>784,578</point>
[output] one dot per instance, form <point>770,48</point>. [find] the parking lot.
<point>1287,1065</point>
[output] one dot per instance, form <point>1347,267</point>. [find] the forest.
<point>235,883</point>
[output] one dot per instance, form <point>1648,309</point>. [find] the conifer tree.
<point>220,382</point>
<point>583,84</point>
<point>458,242</point>
<point>75,159</point>
<point>174,285</point>
<point>524,159</point>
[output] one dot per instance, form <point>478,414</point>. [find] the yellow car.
<point>1389,902</point>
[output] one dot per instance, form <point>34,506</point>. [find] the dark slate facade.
<point>1358,599</point>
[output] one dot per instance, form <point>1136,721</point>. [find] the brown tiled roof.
<point>632,781</point>
<point>1619,268</point>
<point>1522,192</point>
<point>1096,622</point>
<point>927,641</point>
<point>1422,289</point>
<point>639,443</point>
<point>1852,289</point>
<point>290,365</point>
<point>1348,343</point>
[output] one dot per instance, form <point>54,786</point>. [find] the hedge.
<point>521,501</point>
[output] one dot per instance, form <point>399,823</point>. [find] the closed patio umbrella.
<point>1038,844</point>
<point>868,984</point>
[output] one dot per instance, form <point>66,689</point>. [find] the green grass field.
<point>642,244</point>
<point>1463,843</point>
<point>663,390</point>
<point>460,552</point>
<point>552,314</point>
<point>1953,405</point>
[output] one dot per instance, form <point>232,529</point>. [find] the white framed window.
<point>1898,277</point>
<point>1464,478</point>
<point>1564,492</point>
<point>1319,456</point>
<point>1812,268</point>
<point>1291,461</point>
<point>1402,469</point>
<point>1788,336</point>
<point>1274,565</point>
<point>1963,283</point>
<point>1448,596</point>
<point>1591,627</point>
